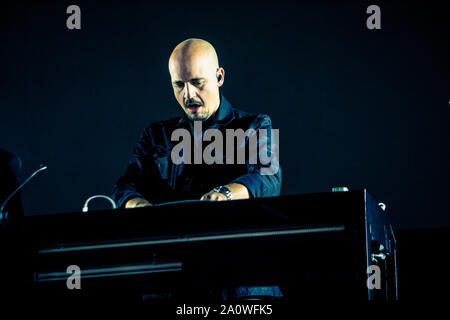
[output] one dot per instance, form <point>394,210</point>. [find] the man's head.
<point>196,78</point>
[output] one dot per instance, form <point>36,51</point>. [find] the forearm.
<point>130,186</point>
<point>238,191</point>
<point>263,178</point>
<point>124,190</point>
<point>259,185</point>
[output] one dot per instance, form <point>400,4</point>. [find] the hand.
<point>214,196</point>
<point>137,203</point>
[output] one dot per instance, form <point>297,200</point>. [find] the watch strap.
<point>225,191</point>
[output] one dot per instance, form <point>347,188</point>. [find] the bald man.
<point>153,177</point>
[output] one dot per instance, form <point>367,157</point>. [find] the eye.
<point>179,84</point>
<point>196,83</point>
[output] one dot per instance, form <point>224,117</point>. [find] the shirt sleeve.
<point>142,178</point>
<point>128,185</point>
<point>263,178</point>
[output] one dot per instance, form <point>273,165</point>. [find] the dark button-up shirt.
<point>151,173</point>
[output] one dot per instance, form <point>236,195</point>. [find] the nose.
<point>189,91</point>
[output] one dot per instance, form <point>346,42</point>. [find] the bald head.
<point>194,70</point>
<point>194,52</point>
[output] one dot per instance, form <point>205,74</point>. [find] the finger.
<point>218,197</point>
<point>206,197</point>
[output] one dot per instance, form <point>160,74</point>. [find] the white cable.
<point>85,207</point>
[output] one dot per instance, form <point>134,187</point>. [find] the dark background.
<point>355,107</point>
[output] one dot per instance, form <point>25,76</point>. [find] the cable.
<point>4,215</point>
<point>85,207</point>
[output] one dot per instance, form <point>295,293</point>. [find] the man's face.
<point>195,86</point>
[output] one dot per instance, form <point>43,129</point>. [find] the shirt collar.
<point>224,113</point>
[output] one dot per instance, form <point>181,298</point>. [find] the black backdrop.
<point>355,107</point>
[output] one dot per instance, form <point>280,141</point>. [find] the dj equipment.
<point>312,246</point>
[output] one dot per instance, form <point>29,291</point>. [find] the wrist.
<point>225,191</point>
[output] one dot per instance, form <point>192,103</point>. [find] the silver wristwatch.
<point>225,191</point>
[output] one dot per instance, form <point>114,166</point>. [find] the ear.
<point>220,76</point>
